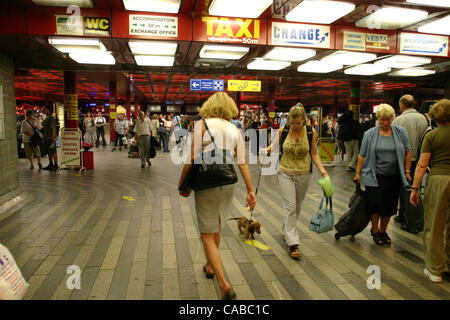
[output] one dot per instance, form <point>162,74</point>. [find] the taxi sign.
<point>244,85</point>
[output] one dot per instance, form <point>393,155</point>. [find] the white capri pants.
<point>293,190</point>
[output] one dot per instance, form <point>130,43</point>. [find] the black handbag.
<point>208,173</point>
<point>36,138</point>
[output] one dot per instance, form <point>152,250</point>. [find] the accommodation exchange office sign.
<point>159,26</point>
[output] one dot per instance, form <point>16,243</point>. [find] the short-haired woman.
<point>384,164</point>
<point>28,126</point>
<point>435,147</point>
<point>294,172</point>
<point>211,204</point>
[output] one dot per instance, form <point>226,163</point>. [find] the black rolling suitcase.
<point>355,219</point>
<point>413,216</point>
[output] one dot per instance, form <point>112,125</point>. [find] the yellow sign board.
<point>326,151</point>
<point>70,100</point>
<point>244,85</point>
<point>271,114</point>
<point>113,115</point>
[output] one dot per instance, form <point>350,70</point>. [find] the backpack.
<point>284,134</point>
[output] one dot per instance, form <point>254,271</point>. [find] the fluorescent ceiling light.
<point>412,72</point>
<point>261,64</point>
<point>366,70</point>
<point>349,58</point>
<point>318,67</point>
<point>157,61</point>
<point>223,52</point>
<point>65,3</point>
<point>161,48</point>
<point>391,18</point>
<point>441,26</point>
<point>319,11</point>
<point>166,6</point>
<point>68,45</point>
<point>289,54</point>
<point>92,57</point>
<point>401,61</point>
<point>432,3</point>
<point>239,8</point>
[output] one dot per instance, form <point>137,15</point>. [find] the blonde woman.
<point>298,152</point>
<point>211,204</point>
<point>89,124</point>
<point>384,164</point>
<point>436,147</point>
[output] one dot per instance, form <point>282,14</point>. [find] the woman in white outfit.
<point>211,204</point>
<point>295,171</point>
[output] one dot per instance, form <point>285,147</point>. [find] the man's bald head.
<point>406,102</point>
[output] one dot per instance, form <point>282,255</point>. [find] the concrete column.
<point>70,100</point>
<point>9,174</point>
<point>112,110</point>
<point>271,103</point>
<point>354,99</point>
<point>128,105</point>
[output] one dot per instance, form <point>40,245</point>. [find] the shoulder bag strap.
<point>207,129</point>
<point>309,134</point>
<point>34,129</point>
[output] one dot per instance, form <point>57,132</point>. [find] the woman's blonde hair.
<point>297,111</point>
<point>219,105</point>
<point>440,111</point>
<point>384,111</point>
<point>155,116</point>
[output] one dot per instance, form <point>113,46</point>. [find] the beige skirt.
<point>210,205</point>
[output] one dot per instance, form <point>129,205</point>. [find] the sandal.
<point>386,238</point>
<point>377,237</point>
<point>209,275</point>
<point>294,252</point>
<point>229,295</point>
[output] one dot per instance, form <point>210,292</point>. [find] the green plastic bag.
<point>327,186</point>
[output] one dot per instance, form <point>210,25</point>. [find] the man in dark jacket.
<point>351,133</point>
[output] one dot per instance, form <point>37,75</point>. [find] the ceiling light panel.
<point>349,58</point>
<point>165,6</point>
<point>441,26</point>
<point>432,3</point>
<point>162,48</point>
<point>65,3</point>
<point>401,61</point>
<point>412,72</point>
<point>366,70</point>
<point>92,57</point>
<point>391,18</point>
<point>318,67</point>
<point>315,11</point>
<point>68,45</point>
<point>289,54</point>
<point>261,64</point>
<point>223,52</point>
<point>156,61</point>
<point>239,8</point>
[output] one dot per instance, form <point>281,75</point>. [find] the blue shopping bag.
<point>323,220</point>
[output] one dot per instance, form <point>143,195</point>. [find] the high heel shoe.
<point>209,275</point>
<point>229,295</point>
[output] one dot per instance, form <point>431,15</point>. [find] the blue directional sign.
<point>207,85</point>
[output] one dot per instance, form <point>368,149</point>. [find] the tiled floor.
<point>149,248</point>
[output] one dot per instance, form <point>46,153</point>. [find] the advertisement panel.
<point>244,85</point>
<point>71,148</point>
<point>230,30</point>
<point>361,39</point>
<point>300,35</point>
<point>423,44</point>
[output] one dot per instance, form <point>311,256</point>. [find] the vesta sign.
<point>230,30</point>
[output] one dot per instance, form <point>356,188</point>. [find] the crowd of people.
<point>389,155</point>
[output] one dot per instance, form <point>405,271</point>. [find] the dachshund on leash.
<point>250,227</point>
